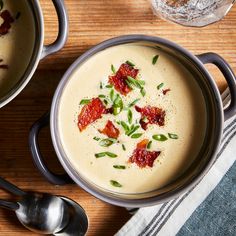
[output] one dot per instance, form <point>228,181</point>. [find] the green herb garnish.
<point>132,130</point>
<point>113,69</point>
<point>117,105</point>
<point>101,85</point>
<point>125,126</point>
<point>160,86</point>
<point>137,83</point>
<point>103,154</point>
<point>115,183</point>
<point>123,147</point>
<point>173,136</point>
<point>159,137</point>
<point>84,101</point>
<point>134,102</point>
<point>154,59</point>
<point>96,138</point>
<point>109,86</point>
<point>100,154</point>
<point>110,154</point>
<point>101,96</point>
<point>137,135</point>
<point>130,116</point>
<point>130,63</point>
<point>149,144</point>
<point>112,95</point>
<point>119,167</point>
<point>143,92</point>
<point>105,101</point>
<point>107,142</point>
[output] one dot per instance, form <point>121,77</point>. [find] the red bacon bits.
<point>110,130</point>
<point>119,79</point>
<point>165,91</point>
<point>7,20</point>
<point>153,115</point>
<point>90,112</point>
<point>143,157</point>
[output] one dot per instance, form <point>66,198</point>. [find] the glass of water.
<point>196,13</point>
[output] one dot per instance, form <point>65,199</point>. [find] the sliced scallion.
<point>173,136</point>
<point>130,116</point>
<point>154,59</point>
<point>137,135</point>
<point>115,183</point>
<point>159,86</point>
<point>159,137</point>
<point>84,101</point>
<point>119,167</point>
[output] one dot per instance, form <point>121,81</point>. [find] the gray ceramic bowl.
<point>215,119</point>
<point>40,51</point>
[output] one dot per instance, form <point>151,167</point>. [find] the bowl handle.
<point>63,30</point>
<point>229,75</point>
<point>58,179</point>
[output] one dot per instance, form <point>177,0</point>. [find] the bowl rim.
<point>149,201</point>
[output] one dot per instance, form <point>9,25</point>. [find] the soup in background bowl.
<point>136,120</point>
<point>21,43</point>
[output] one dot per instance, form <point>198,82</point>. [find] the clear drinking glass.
<point>196,13</point>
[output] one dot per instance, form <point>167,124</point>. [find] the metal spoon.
<point>45,213</point>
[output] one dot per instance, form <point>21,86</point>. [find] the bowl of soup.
<point>136,120</point>
<point>21,43</point>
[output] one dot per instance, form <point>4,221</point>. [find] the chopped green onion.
<point>84,101</point>
<point>119,167</point>
<point>115,183</point>
<point>107,142</point>
<point>125,126</point>
<point>103,154</point>
<point>143,92</point>
<point>173,136</point>
<point>130,116</point>
<point>159,137</point>
<point>117,105</point>
<point>96,138</point>
<point>130,63</point>
<point>105,101</point>
<point>160,86</point>
<point>110,154</point>
<point>109,86</point>
<point>132,130</point>
<point>129,84</point>
<point>112,95</point>
<point>137,135</point>
<point>149,144</point>
<point>101,85</point>
<point>113,69</point>
<point>101,96</point>
<point>135,82</point>
<point>154,59</point>
<point>123,147</point>
<point>134,102</point>
<point>100,154</point>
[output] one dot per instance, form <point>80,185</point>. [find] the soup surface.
<point>17,37</point>
<point>131,119</point>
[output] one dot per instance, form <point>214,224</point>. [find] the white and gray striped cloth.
<point>207,209</point>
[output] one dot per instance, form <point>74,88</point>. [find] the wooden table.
<point>91,21</point>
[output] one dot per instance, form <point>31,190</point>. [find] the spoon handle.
<point>10,187</point>
<point>9,205</point>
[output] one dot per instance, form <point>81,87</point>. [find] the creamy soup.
<point>160,128</point>
<point>17,37</point>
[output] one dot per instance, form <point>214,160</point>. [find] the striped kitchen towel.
<point>208,209</point>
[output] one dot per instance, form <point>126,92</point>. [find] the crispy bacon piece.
<point>143,157</point>
<point>110,130</point>
<point>154,115</point>
<point>7,20</point>
<point>91,112</point>
<point>165,91</point>
<point>119,79</point>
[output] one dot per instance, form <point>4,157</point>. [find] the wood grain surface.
<point>91,21</point>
